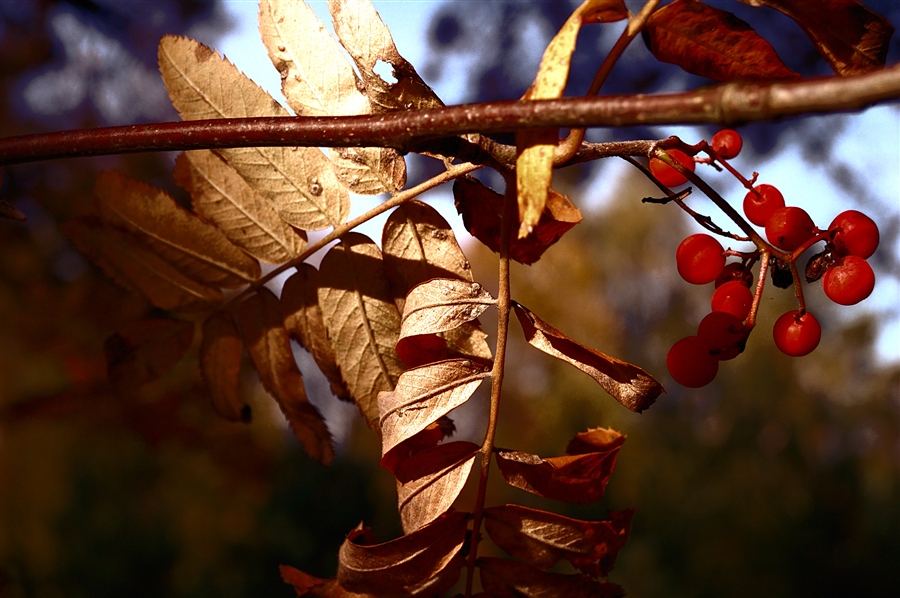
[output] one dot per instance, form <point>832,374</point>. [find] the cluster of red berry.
<point>847,278</point>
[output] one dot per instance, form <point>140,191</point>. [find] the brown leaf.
<point>224,198</point>
<point>125,259</point>
<point>502,578</point>
<point>303,321</point>
<point>362,320</point>
<point>305,584</point>
<point>300,181</point>
<point>424,394</point>
<point>852,38</point>
<point>179,237</point>
<point>259,321</point>
<point>579,477</point>
<point>541,538</point>
<point>629,384</point>
<point>221,353</point>
<point>422,441</point>
<point>481,208</point>
<point>145,350</point>
<point>712,43</point>
<point>368,41</point>
<point>406,562</point>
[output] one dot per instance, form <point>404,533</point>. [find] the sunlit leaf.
<point>481,208</point>
<point>712,43</point>
<point>145,350</point>
<point>424,394</point>
<point>300,181</point>
<point>502,578</point>
<point>259,321</point>
<point>404,563</point>
<point>542,539</point>
<point>368,41</point>
<point>127,261</point>
<point>441,304</point>
<point>362,320</point>
<point>221,352</point>
<point>303,321</point>
<point>629,384</point>
<point>578,477</point>
<point>852,38</point>
<point>224,198</point>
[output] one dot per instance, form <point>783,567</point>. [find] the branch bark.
<point>728,104</point>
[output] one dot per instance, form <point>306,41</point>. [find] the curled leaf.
<point>267,342</point>
<point>442,304</point>
<point>502,578</point>
<point>578,477</point>
<point>221,353</point>
<point>145,350</point>
<point>542,539</point>
<point>627,383</point>
<point>712,43</point>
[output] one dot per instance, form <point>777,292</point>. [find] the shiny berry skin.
<point>690,362</point>
<point>761,203</point>
<point>667,175</point>
<point>854,234</point>
<point>700,259</point>
<point>721,330</point>
<point>734,298</point>
<point>849,281</point>
<point>790,227</point>
<point>796,335</point>
<point>727,143</point>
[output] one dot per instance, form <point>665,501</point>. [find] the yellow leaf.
<point>300,181</point>
<point>197,249</point>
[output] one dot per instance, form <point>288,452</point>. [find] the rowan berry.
<point>691,363</point>
<point>849,281</point>
<point>854,234</point>
<point>789,228</point>
<point>734,298</point>
<point>727,143</point>
<point>722,331</point>
<point>667,175</point>
<point>700,259</point>
<point>796,334</point>
<point>761,202</point>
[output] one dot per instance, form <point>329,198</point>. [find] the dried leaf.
<point>481,208</point>
<point>221,353</point>
<point>424,394</point>
<point>303,321</point>
<point>502,578</point>
<point>369,170</point>
<point>403,563</point>
<point>442,304</point>
<point>197,249</point>
<point>429,482</point>
<point>852,38</point>
<point>126,260</point>
<point>712,43</point>
<point>145,350</point>
<point>579,477</point>
<point>534,165</point>
<point>300,181</point>
<point>422,441</point>
<point>368,41</point>
<point>267,342</point>
<point>224,198</point>
<point>362,320</point>
<point>627,383</point>
<point>542,539</point>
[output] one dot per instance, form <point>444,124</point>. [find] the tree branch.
<point>728,104</point>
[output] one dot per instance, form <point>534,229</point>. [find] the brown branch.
<point>727,104</point>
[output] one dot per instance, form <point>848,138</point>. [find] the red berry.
<point>854,234</point>
<point>796,334</point>
<point>690,362</point>
<point>722,331</point>
<point>789,228</point>
<point>734,271</point>
<point>733,298</point>
<point>727,143</point>
<point>849,281</point>
<point>700,259</point>
<point>760,203</point>
<point>667,175</point>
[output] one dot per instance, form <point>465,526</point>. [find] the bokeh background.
<point>782,478</point>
